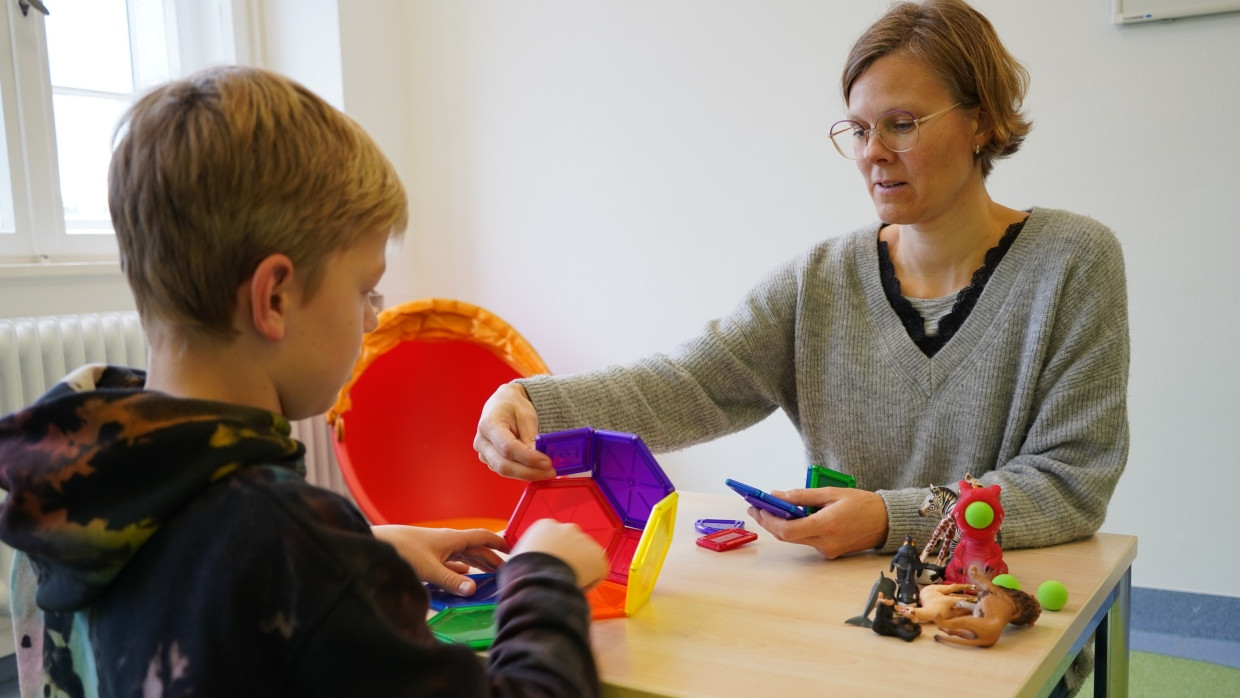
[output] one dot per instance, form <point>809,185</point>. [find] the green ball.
<point>979,515</point>
<point>1006,581</point>
<point>1053,595</point>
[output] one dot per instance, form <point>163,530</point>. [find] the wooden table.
<point>768,619</point>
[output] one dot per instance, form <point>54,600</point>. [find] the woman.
<point>955,336</point>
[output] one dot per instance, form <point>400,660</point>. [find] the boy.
<point>176,546</point>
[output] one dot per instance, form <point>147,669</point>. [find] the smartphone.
<point>765,501</point>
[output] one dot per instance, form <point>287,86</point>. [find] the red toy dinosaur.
<point>977,546</point>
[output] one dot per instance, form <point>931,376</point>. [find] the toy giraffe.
<point>940,501</point>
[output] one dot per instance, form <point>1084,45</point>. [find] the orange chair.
<point>404,424</point>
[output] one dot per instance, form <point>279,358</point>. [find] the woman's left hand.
<point>848,520</point>
<point>442,556</point>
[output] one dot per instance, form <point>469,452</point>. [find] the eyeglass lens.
<point>897,131</point>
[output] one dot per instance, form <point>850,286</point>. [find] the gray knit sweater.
<point>1030,393</point>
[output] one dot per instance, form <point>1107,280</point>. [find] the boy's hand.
<point>849,520</point>
<point>567,542</point>
<point>506,433</point>
<point>442,556</point>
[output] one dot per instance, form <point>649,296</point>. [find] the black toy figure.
<point>907,561</point>
<point>883,587</point>
<point>888,622</point>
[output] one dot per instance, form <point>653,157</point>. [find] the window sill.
<point>43,270</point>
<point>33,289</point>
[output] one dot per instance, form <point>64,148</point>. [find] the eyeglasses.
<point>897,130</point>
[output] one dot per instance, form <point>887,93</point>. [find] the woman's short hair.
<point>961,46</point>
<point>215,172</point>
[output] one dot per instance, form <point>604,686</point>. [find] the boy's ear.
<point>271,293</point>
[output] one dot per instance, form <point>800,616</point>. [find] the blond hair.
<point>215,172</point>
<point>963,49</point>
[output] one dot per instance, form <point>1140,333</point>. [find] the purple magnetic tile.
<point>629,475</point>
<point>757,502</point>
<point>767,506</point>
<point>571,451</point>
<point>709,526</point>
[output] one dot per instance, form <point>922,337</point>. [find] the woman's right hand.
<point>506,433</point>
<point>569,543</point>
<point>849,520</point>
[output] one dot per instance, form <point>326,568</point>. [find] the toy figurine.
<point>908,562</point>
<point>888,622</point>
<point>996,607</point>
<point>939,503</point>
<point>942,600</point>
<point>883,587</point>
<point>978,515</point>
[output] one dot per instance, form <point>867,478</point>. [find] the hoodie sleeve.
<point>379,634</point>
<point>373,638</point>
<point>543,642</point>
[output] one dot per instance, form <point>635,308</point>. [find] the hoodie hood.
<point>97,465</point>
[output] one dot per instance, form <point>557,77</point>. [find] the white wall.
<point>609,176</point>
<point>301,38</point>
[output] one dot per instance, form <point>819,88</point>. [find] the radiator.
<point>321,467</point>
<point>36,352</point>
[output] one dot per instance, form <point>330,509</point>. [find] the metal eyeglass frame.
<point>865,132</point>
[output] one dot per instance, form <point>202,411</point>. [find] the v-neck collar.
<point>928,373</point>
<point>961,303</point>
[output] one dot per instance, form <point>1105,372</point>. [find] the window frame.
<point>207,32</point>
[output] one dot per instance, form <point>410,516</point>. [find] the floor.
<point>1173,623</point>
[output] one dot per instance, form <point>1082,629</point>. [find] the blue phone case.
<point>766,502</point>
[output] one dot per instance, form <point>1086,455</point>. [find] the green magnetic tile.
<point>468,625</point>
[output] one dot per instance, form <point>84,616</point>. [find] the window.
<point>63,86</point>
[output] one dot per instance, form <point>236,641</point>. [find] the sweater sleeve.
<point>1058,485</point>
<point>731,376</point>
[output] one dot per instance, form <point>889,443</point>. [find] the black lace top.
<point>965,299</point>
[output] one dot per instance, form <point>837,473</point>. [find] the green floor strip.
<point>1160,676</point>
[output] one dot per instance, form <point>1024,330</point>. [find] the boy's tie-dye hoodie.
<point>171,547</point>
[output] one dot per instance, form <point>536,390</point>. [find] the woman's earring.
<point>977,149</point>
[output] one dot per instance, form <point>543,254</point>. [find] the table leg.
<point>1111,642</point>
